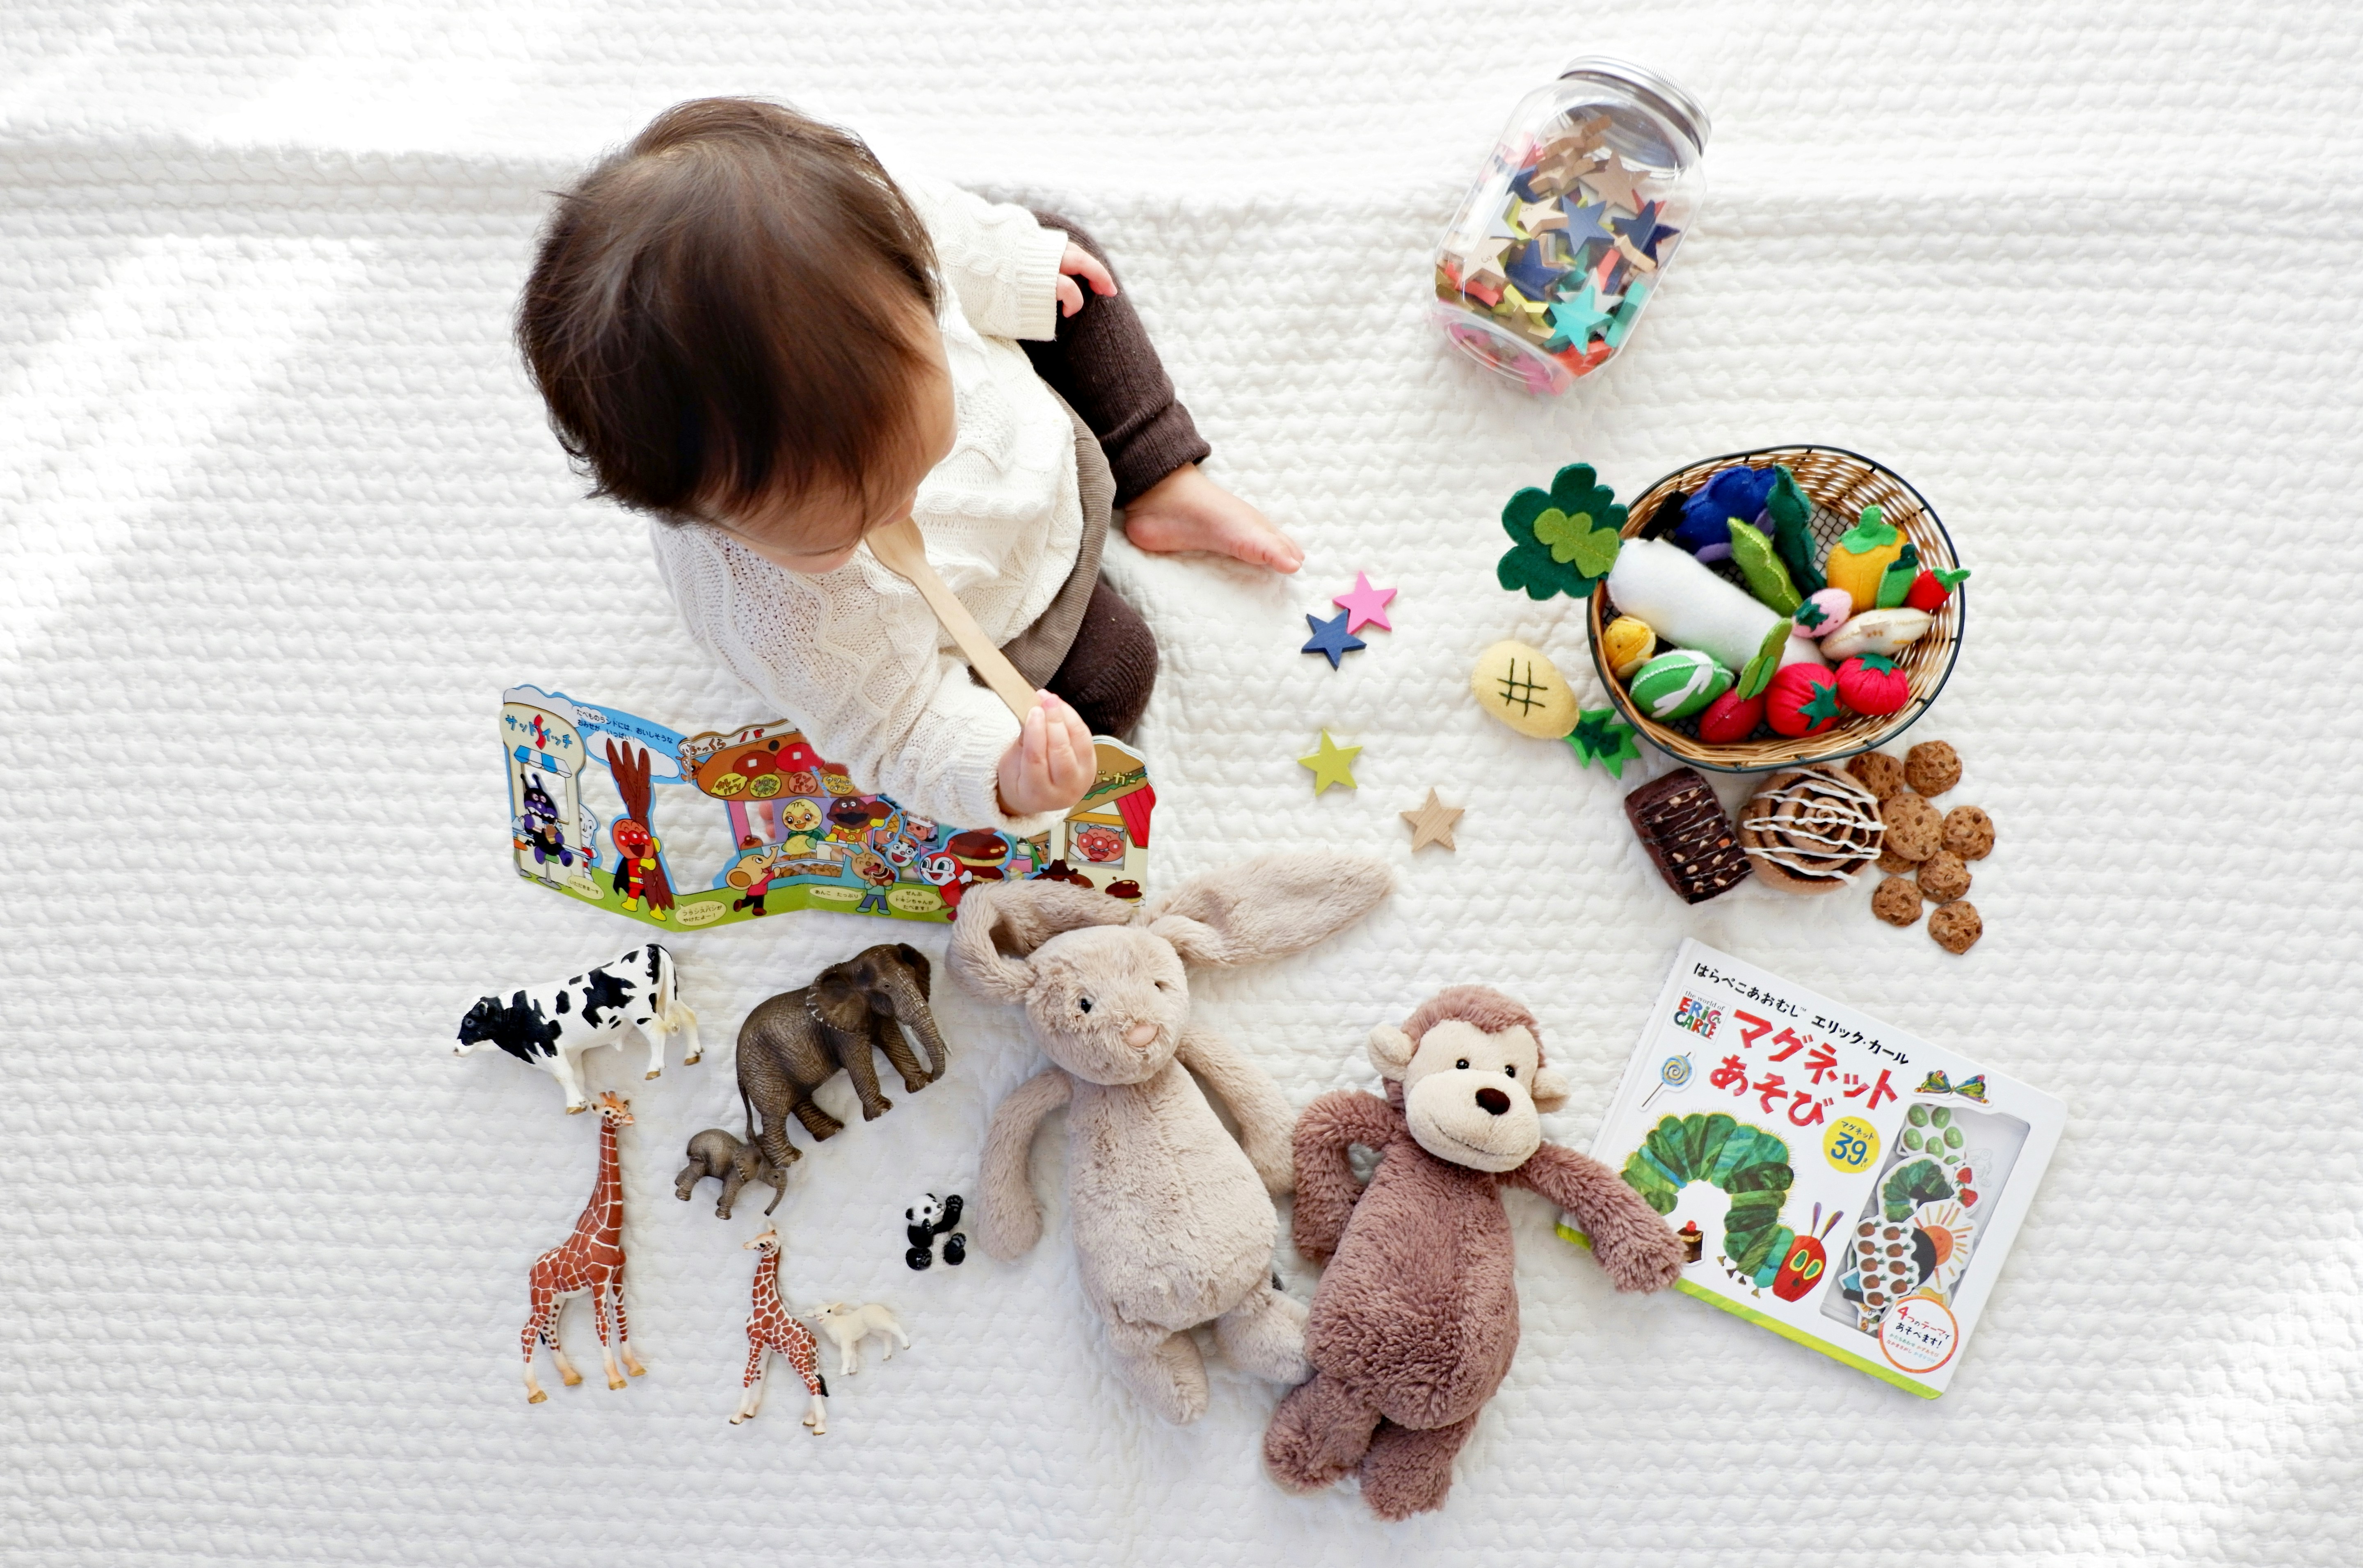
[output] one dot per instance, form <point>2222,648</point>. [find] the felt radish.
<point>1862,557</point>
<point>1803,700</point>
<point>1687,605</point>
<point>1933,588</point>
<point>1730,718</point>
<point>1869,683</point>
<point>1877,631</point>
<point>1824,612</point>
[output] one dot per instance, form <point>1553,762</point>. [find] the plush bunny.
<point>1173,1221</point>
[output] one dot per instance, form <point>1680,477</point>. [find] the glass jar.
<point>1572,223</point>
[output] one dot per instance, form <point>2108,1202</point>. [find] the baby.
<point>744,328</point>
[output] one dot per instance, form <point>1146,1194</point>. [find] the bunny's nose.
<point>1494,1102</point>
<point>1139,1035</point>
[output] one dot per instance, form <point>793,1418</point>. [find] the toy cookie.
<point>1931,767</point>
<point>1878,773</point>
<point>1897,901</point>
<point>1681,824</point>
<point>1914,829</point>
<point>1811,830</point>
<point>1943,877</point>
<point>1956,927</point>
<point>1969,832</point>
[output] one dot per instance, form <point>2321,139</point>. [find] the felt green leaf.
<point>1600,736</point>
<point>1589,522</point>
<point>1768,578</point>
<point>1822,705</point>
<point>1872,532</point>
<point>1949,578</point>
<point>1761,670</point>
<point>1895,584</point>
<point>1791,515</point>
<point>1875,660</point>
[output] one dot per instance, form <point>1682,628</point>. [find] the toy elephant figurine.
<point>715,1153</point>
<point>795,1042</point>
<point>1173,1221</point>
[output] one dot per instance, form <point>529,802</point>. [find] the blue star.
<point>1587,222</point>
<point>1642,232</point>
<point>1331,639</point>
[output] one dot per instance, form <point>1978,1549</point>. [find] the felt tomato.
<point>1932,588</point>
<point>1869,683</point>
<point>1803,700</point>
<point>1730,718</point>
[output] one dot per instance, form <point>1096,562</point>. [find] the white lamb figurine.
<point>847,1325</point>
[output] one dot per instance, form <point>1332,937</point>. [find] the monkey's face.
<point>1470,1095</point>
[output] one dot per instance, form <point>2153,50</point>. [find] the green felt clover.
<point>1564,538</point>
<point>1792,515</point>
<point>1600,736</point>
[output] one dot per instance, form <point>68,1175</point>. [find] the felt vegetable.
<point>1600,736</point>
<point>1934,586</point>
<point>1520,687</point>
<point>1625,644</point>
<point>1897,580</point>
<point>1687,605</point>
<point>1877,631</point>
<point>1677,684</point>
<point>1564,539</point>
<point>1862,555</point>
<point>1802,700</point>
<point>1792,517</point>
<point>1767,577</point>
<point>1823,612</point>
<point>1869,683</point>
<point>1757,674</point>
<point>1730,718</point>
<point>1736,493</point>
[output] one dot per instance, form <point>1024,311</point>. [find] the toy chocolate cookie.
<point>1943,878</point>
<point>1969,832</point>
<point>1931,767</point>
<point>1811,830</point>
<point>1897,901</point>
<point>1681,823</point>
<point>1957,927</point>
<point>1893,864</point>
<point>1914,829</point>
<point>1878,773</point>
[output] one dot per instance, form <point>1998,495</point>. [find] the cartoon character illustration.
<point>639,873</point>
<point>538,822</point>
<point>851,818</point>
<point>1098,845</point>
<point>874,871</point>
<point>800,816</point>
<point>1128,888</point>
<point>942,872</point>
<point>918,829</point>
<point>1800,1270</point>
<point>980,853</point>
<point>752,875</point>
<point>900,853</point>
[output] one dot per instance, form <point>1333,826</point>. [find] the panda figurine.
<point>923,1223</point>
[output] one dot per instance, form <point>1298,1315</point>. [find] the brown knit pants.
<point>1103,363</point>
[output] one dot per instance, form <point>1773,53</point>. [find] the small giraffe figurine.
<point>592,1260</point>
<point>771,1327</point>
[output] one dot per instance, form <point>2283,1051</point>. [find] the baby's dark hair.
<point>722,312</point>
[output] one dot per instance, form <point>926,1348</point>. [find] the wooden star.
<point>1333,764</point>
<point>1432,823</point>
<point>1613,181</point>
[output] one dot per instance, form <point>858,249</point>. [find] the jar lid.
<point>1678,107</point>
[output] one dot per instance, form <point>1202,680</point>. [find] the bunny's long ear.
<point>1001,924</point>
<point>1265,907</point>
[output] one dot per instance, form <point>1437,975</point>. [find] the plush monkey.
<point>1417,1316</point>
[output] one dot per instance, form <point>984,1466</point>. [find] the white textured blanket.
<point>282,520</point>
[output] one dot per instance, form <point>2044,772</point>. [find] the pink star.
<point>1365,605</point>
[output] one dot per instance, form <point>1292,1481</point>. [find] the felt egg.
<point>1730,718</point>
<point>1625,644</point>
<point>1932,588</point>
<point>1677,684</point>
<point>1862,555</point>
<point>1519,685</point>
<point>1687,605</point>
<point>1803,700</point>
<point>1869,683</point>
<point>1877,631</point>
<point>1824,613</point>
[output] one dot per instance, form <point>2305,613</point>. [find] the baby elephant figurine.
<point>1173,1219</point>
<point>796,1042</point>
<point>715,1153</point>
<point>847,1325</point>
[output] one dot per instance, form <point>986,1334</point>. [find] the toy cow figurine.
<point>550,1025</point>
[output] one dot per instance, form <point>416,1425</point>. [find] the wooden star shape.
<point>1573,319</point>
<point>1612,180</point>
<point>1330,639</point>
<point>1365,605</point>
<point>1332,765</point>
<point>1432,823</point>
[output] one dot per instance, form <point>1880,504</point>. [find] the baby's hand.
<point>1051,765</point>
<point>1079,262</point>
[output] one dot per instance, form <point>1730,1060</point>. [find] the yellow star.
<point>1333,764</point>
<point>1431,824</point>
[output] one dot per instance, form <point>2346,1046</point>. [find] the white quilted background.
<point>282,518</point>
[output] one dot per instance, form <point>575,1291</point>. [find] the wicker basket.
<point>1840,485</point>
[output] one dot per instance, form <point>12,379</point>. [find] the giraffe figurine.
<point>771,1327</point>
<point>591,1261</point>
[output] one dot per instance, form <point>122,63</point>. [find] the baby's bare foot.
<point>1186,510</point>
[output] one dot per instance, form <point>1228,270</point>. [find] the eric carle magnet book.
<point>1834,1180</point>
<point>685,831</point>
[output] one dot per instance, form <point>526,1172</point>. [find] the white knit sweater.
<point>854,656</point>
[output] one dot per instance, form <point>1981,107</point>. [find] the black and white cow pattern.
<point>550,1027</point>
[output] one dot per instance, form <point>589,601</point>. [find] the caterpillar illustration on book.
<point>1747,1163</point>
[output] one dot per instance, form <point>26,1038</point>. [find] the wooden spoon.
<point>899,550</point>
